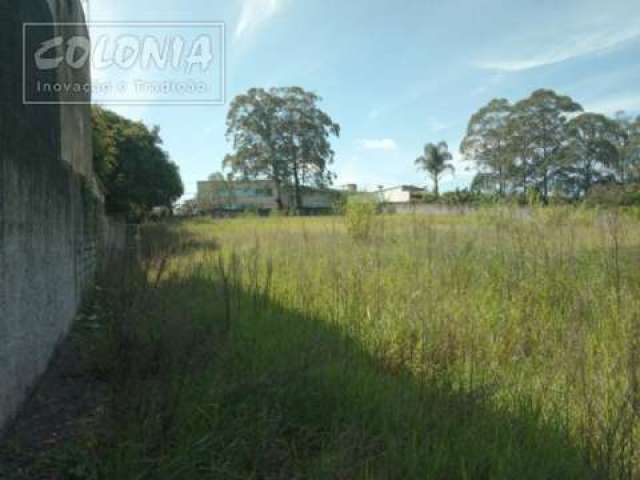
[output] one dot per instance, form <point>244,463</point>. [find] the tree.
<point>487,143</point>
<point>523,155</point>
<point>539,126</point>
<point>306,135</point>
<point>135,173</point>
<point>435,161</point>
<point>628,148</point>
<point>282,135</point>
<point>252,123</point>
<point>105,143</point>
<point>590,150</point>
<point>221,194</point>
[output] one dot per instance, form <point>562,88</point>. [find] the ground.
<point>499,344</point>
<point>65,398</point>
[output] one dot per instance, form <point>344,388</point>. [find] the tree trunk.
<point>588,178</point>
<point>278,186</point>
<point>296,179</point>
<point>276,178</point>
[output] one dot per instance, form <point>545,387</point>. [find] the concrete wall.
<point>52,226</point>
<point>427,209</point>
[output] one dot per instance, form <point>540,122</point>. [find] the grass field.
<point>494,345</point>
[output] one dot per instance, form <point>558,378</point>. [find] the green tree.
<point>628,148</point>
<point>306,140</point>
<point>436,160</point>
<point>134,171</point>
<point>591,150</point>
<point>523,155</point>
<point>253,125</point>
<point>222,194</point>
<point>281,134</point>
<point>487,144</point>
<point>538,125</point>
<point>105,143</point>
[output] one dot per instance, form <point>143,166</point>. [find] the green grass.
<point>492,345</point>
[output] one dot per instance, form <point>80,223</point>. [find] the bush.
<point>463,197</point>
<point>614,196</point>
<point>360,216</point>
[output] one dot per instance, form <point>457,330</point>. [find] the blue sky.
<point>396,75</point>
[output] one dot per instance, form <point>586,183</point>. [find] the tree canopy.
<point>546,143</point>
<point>281,134</point>
<point>134,171</point>
<point>590,153</point>
<point>486,142</point>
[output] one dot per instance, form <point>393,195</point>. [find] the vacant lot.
<point>494,345</point>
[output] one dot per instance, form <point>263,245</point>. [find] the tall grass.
<point>502,344</point>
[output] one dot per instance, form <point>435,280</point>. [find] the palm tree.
<point>436,160</point>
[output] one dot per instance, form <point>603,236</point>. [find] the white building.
<point>401,194</point>
<point>221,196</point>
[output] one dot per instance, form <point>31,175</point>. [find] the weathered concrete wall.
<point>427,209</point>
<point>52,226</point>
<point>75,120</point>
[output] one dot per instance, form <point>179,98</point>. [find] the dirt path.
<point>65,399</point>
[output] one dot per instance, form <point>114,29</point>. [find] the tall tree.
<point>629,148</point>
<point>281,134</point>
<point>523,155</point>
<point>253,125</point>
<point>306,135</point>
<point>487,144</point>
<point>591,150</point>
<point>539,123</point>
<point>136,174</point>
<point>436,160</point>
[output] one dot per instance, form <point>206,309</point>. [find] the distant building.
<point>220,197</point>
<point>401,194</point>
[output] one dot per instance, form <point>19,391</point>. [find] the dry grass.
<point>495,345</point>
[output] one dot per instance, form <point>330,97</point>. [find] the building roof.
<point>404,188</point>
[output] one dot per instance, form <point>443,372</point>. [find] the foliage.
<point>436,160</point>
<point>614,196</point>
<point>629,149</point>
<point>542,120</point>
<point>590,155</point>
<point>430,197</point>
<point>281,134</point>
<point>544,143</point>
<point>134,171</point>
<point>360,217</point>
<point>461,197</point>
<point>486,142</point>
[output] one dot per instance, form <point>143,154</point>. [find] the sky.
<point>396,74</point>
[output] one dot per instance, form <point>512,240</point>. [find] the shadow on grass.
<point>209,380</point>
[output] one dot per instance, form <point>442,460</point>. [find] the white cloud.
<point>254,13</point>
<point>384,144</point>
<point>551,49</point>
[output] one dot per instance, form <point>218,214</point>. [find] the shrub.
<point>614,196</point>
<point>360,216</point>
